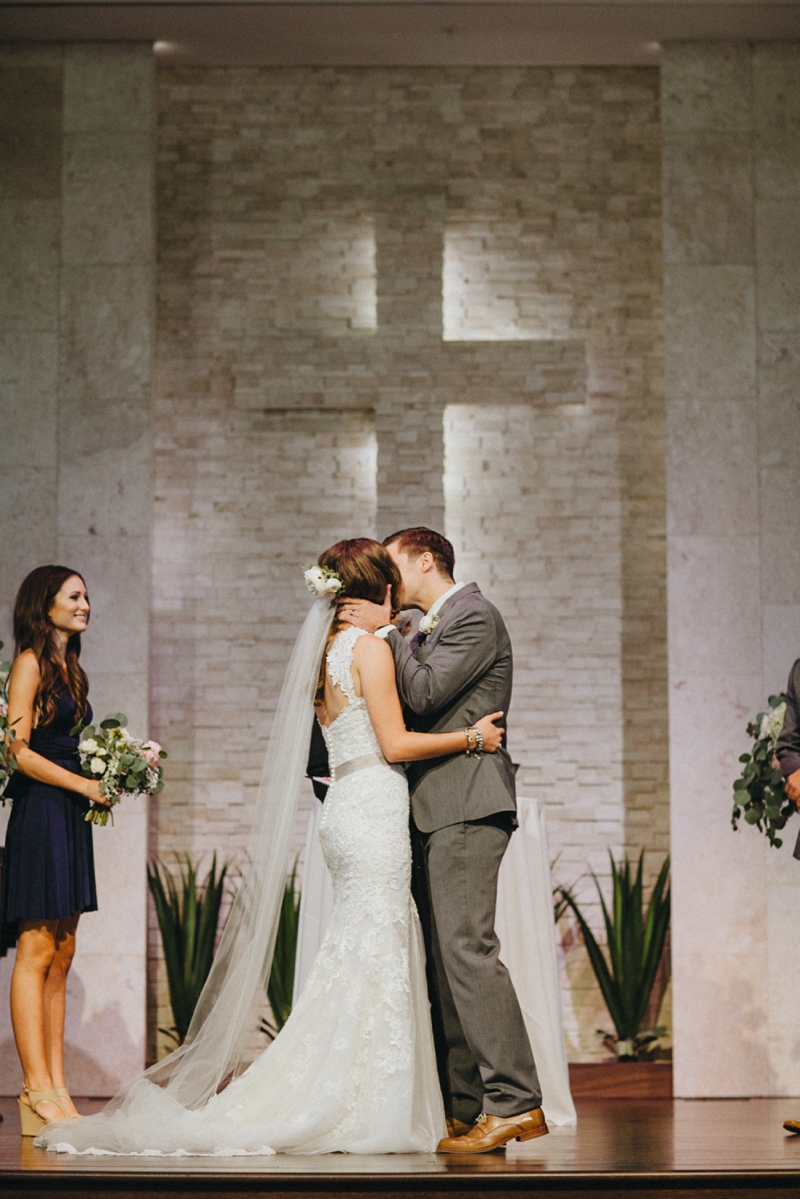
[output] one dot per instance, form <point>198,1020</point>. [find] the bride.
<point>353,1069</point>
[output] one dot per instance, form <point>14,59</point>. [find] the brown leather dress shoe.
<point>494,1132</point>
<point>789,1125</point>
<point>456,1128</point>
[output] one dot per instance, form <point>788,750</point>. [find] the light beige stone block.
<point>116,570</point>
<point>708,200</point>
<point>781,644</point>
<point>710,331</point>
<point>706,87</point>
<point>28,399</point>
<point>105,470</point>
<point>776,68</point>
<point>108,198</point>
<point>714,606</point>
<point>106,315</point>
<point>778,255</point>
<point>779,397</point>
<point>29,236</point>
<point>780,534</point>
<point>27,519</point>
<point>712,469</point>
<point>108,87</point>
<point>719,893</point>
<point>30,121</point>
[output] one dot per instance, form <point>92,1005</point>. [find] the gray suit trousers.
<point>483,1053</point>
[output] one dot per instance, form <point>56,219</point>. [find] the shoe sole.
<point>541,1131</point>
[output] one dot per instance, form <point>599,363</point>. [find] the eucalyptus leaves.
<point>759,792</point>
<point>120,763</point>
<point>8,763</point>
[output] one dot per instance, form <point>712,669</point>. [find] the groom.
<point>457,669</point>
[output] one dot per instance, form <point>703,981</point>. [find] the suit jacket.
<point>459,673</point>
<point>787,747</point>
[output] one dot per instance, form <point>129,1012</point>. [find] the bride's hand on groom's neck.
<point>366,615</point>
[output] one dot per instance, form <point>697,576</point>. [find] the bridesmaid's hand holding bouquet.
<point>121,764</point>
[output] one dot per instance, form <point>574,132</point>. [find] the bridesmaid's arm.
<point>22,688</point>
<point>373,668</point>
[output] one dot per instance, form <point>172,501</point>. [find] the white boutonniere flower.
<point>322,582</point>
<point>428,622</point>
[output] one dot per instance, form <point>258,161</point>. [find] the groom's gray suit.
<point>463,809</point>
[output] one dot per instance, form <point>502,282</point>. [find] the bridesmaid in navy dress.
<point>48,868</point>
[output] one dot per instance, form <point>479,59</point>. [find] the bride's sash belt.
<point>361,763</point>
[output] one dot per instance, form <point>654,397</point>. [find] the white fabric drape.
<point>527,934</point>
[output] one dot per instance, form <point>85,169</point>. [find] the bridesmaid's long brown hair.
<point>34,630</point>
<point>366,569</point>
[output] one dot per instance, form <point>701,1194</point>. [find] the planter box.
<point>621,1080</point>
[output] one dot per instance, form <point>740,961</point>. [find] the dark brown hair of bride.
<point>416,541</point>
<point>366,570</point>
<point>34,630</point>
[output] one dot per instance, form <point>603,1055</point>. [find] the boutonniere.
<point>428,622</point>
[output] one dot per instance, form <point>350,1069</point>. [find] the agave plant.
<point>635,941</point>
<point>188,911</point>
<point>280,986</point>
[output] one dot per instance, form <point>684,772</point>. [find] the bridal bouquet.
<point>8,763</point>
<point>759,792</point>
<point>122,764</point>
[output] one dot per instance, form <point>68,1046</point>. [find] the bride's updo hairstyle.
<point>366,570</point>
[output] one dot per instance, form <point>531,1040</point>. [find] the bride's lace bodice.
<point>351,734</point>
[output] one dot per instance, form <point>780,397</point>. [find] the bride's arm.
<point>374,666</point>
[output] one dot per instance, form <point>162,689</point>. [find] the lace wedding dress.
<point>353,1069</point>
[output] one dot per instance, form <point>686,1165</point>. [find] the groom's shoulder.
<point>471,599</point>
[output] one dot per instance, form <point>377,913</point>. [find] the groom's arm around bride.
<point>463,808</point>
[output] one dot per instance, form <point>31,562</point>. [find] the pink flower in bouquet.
<point>150,752</point>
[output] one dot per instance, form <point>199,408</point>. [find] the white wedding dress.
<point>353,1069</point>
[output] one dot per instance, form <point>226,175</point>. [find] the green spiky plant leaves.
<point>188,911</point>
<point>280,986</point>
<point>635,943</point>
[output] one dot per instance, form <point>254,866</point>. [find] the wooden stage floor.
<point>632,1147</point>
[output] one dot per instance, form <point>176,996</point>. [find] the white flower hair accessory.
<point>429,622</point>
<point>322,582</point>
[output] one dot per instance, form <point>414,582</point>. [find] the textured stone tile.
<point>104,484</point>
<point>106,333</point>
<point>780,534</point>
<point>780,624</point>
<point>708,201</point>
<point>28,399</point>
<point>706,87</point>
<point>714,605</point>
<point>117,574</point>
<point>712,468</point>
<point>107,198</point>
<point>710,331</point>
<point>107,88</point>
<point>29,235</point>
<point>776,68</point>
<point>778,252</point>
<point>30,126</point>
<point>27,521</point>
<point>779,398</point>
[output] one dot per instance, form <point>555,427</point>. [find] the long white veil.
<point>220,1038</point>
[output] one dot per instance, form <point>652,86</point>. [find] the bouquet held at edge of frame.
<point>122,764</point>
<point>8,763</point>
<point>759,794</point>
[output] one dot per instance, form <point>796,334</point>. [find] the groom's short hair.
<point>416,541</point>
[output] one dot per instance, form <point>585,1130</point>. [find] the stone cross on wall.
<point>403,371</point>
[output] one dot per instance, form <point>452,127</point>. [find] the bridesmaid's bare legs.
<point>55,1005</point>
<point>38,1004</point>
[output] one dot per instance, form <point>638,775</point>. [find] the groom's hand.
<point>366,615</point>
<point>793,788</point>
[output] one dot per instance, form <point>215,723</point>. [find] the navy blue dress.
<point>48,866</point>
